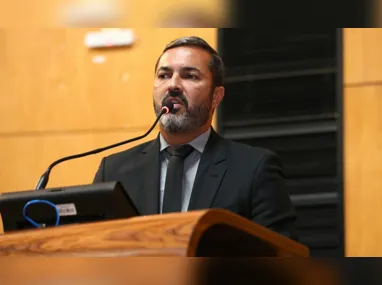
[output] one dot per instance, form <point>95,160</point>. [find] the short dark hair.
<point>215,65</point>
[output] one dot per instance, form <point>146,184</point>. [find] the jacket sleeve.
<point>271,204</point>
<point>100,174</point>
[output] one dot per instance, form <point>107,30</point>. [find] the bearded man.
<point>189,166</point>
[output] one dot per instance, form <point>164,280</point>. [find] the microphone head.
<point>167,107</point>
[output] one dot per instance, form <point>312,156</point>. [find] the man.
<point>208,171</point>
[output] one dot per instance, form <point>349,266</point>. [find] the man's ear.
<point>218,96</point>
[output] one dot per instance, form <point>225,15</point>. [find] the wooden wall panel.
<point>362,141</point>
<point>363,56</point>
<point>363,170</point>
<point>51,81</point>
<point>25,158</point>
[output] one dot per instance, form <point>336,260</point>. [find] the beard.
<point>192,119</point>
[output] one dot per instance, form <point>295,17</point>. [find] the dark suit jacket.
<point>245,180</point>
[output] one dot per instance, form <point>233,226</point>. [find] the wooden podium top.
<point>210,233</point>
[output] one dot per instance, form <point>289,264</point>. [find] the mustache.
<point>175,94</point>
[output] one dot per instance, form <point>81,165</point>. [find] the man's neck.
<point>176,139</point>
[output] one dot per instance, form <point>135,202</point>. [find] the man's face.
<point>183,77</point>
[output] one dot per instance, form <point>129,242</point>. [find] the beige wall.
<point>56,101</point>
<point>363,141</point>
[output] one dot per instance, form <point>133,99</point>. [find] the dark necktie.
<point>172,200</point>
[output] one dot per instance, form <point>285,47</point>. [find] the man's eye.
<point>192,76</point>
<point>163,76</point>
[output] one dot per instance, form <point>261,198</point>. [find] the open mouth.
<point>177,103</point>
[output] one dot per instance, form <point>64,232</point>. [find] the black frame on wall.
<point>306,130</point>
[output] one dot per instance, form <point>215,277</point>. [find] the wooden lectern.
<point>207,233</point>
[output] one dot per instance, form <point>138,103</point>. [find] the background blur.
<point>311,95</point>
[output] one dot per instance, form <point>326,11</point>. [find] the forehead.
<point>185,56</point>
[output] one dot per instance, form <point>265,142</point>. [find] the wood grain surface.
<point>362,141</point>
<point>178,234</point>
<point>362,56</point>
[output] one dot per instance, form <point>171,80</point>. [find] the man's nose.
<point>175,83</point>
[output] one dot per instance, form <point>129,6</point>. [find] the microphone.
<point>166,108</point>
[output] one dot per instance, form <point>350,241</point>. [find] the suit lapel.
<point>149,169</point>
<point>211,170</point>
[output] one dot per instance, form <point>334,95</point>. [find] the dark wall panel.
<point>281,94</point>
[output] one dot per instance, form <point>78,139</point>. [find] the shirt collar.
<point>199,143</point>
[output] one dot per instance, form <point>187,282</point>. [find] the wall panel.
<point>362,141</point>
<point>51,81</point>
<point>25,158</point>
<point>363,56</point>
<point>363,168</point>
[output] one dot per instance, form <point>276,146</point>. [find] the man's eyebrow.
<point>164,68</point>
<point>190,68</point>
<point>185,68</point>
